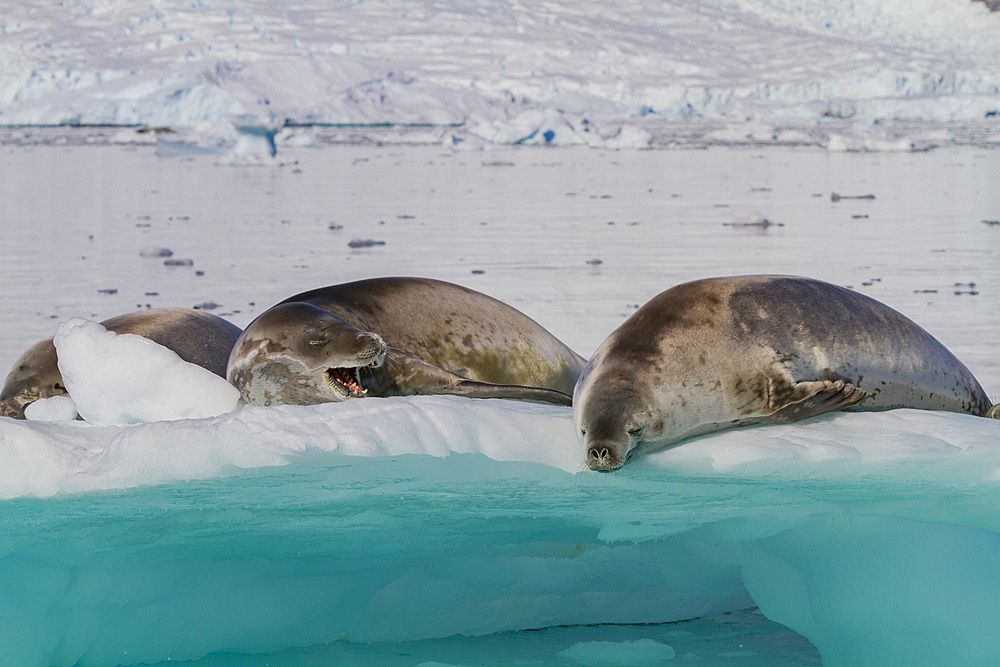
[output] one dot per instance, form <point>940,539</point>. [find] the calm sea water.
<point>577,238</point>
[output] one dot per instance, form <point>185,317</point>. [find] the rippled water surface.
<point>575,237</point>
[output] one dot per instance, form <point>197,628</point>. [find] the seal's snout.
<point>375,349</point>
<point>603,459</point>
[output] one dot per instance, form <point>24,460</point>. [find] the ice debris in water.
<point>125,378</point>
<point>254,141</point>
<point>754,219</point>
<point>153,251</point>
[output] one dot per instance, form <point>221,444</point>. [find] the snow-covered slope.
<point>620,74</point>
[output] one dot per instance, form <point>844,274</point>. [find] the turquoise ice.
<point>418,519</point>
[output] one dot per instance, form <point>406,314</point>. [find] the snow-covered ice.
<point>52,409</point>
<point>409,519</point>
<point>125,378</point>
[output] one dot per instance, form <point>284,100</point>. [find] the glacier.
<point>637,74</point>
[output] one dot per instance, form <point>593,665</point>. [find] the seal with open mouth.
<point>398,336</point>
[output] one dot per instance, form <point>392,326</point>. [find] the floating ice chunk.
<point>755,219</point>
<point>516,130</point>
<point>534,127</point>
<point>639,652</point>
<point>254,141</point>
<point>190,144</point>
<point>902,144</point>
<point>629,136</point>
<point>550,127</point>
<point>742,133</point>
<point>126,379</point>
<point>52,409</point>
<point>869,533</point>
<point>838,143</point>
<point>841,143</point>
<point>364,243</point>
<point>299,139</point>
<point>153,251</point>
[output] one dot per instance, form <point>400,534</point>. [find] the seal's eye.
<point>635,431</point>
<point>317,342</point>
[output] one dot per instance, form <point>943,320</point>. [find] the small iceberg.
<point>254,141</point>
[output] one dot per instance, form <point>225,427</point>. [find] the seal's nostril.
<point>601,455</point>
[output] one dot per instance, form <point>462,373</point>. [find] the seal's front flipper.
<point>474,389</point>
<point>808,399</point>
<point>413,375</point>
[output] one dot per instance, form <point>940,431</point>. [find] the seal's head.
<point>615,416</point>
<point>298,354</point>
<point>35,375</point>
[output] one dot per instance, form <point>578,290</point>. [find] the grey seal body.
<point>721,352</point>
<point>398,336</point>
<point>196,336</point>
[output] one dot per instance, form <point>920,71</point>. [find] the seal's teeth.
<point>346,380</point>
